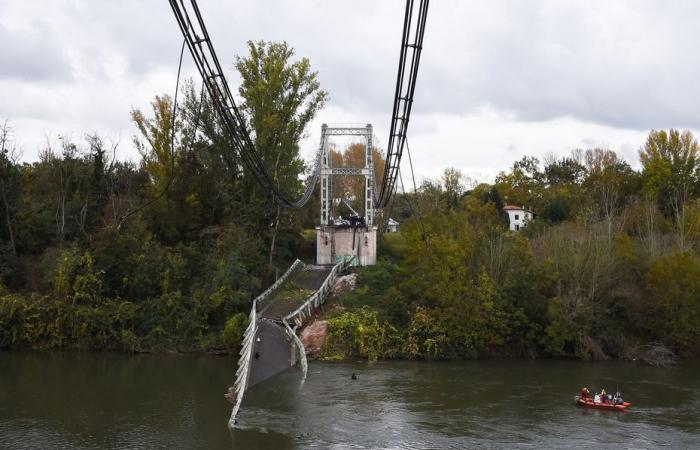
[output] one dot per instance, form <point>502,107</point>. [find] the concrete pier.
<point>333,242</point>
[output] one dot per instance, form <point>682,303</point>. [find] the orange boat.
<point>590,403</point>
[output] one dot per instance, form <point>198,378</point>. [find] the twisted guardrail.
<point>304,311</point>
<point>243,371</point>
<point>291,323</point>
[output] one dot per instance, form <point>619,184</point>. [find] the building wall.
<point>332,243</point>
<point>521,222</point>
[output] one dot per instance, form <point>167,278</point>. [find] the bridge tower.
<point>337,239</point>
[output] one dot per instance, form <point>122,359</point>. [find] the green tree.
<point>156,139</point>
<point>281,97</point>
<point>609,184</point>
<point>524,184</point>
<point>673,313</point>
<point>9,182</point>
<point>567,170</point>
<point>185,189</point>
<point>452,181</point>
<point>670,161</point>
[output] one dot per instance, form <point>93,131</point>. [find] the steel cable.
<point>200,46</point>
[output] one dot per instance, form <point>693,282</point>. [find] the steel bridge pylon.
<point>336,241</point>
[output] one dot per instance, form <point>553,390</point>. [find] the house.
<point>518,217</point>
<point>392,226</point>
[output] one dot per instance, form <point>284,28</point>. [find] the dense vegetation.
<point>609,265</point>
<point>167,253</point>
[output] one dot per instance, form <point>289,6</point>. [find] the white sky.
<point>498,79</point>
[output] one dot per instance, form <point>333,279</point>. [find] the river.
<point>105,401</point>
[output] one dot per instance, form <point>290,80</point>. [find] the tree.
<point>156,141</point>
<point>609,183</point>
<point>524,184</point>
<point>588,274</point>
<point>10,181</point>
<point>180,188</point>
<point>670,161</point>
<point>563,171</point>
<point>452,183</point>
<point>352,187</point>
<point>673,303</point>
<point>280,97</point>
<point>73,173</point>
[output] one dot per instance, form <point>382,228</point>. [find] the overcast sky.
<point>498,79</point>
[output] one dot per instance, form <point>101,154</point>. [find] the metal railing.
<point>298,316</point>
<point>291,322</point>
<point>313,302</point>
<point>262,300</point>
<point>243,371</point>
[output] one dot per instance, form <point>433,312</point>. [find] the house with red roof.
<point>518,217</point>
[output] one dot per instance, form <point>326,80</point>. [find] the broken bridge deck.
<point>295,291</point>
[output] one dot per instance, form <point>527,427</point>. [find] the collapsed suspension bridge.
<point>270,343</point>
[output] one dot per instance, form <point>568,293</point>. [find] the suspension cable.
<point>191,23</point>
<point>410,161</point>
<point>413,210</point>
<point>403,97</point>
<point>206,61</point>
<point>415,188</point>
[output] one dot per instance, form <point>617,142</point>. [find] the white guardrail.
<point>297,318</point>
<point>243,371</point>
<point>305,310</point>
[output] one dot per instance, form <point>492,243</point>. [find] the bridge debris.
<point>270,343</point>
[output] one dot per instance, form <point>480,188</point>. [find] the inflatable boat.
<point>591,403</point>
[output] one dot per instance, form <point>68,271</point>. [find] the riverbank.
<point>164,325</point>
<point>375,313</point>
<point>365,318</point>
<point>340,334</point>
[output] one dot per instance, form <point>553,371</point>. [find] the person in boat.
<point>584,393</point>
<point>603,396</point>
<point>617,398</point>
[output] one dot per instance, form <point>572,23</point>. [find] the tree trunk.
<point>61,220</point>
<point>7,217</point>
<point>274,238</point>
<point>277,219</point>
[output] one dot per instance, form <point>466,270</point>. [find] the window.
<point>517,217</point>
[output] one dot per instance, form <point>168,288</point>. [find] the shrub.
<point>232,334</point>
<point>360,333</point>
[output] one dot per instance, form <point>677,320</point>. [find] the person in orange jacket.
<point>584,393</point>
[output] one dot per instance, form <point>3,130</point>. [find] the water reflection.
<point>78,401</point>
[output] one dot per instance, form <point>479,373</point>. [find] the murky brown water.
<point>104,401</point>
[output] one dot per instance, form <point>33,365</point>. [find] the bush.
<point>360,333</point>
<point>232,334</point>
<point>674,301</point>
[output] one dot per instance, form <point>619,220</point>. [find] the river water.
<point>105,401</point>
